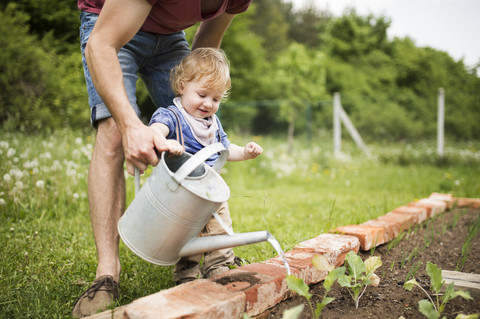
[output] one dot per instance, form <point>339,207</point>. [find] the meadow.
<point>47,250</point>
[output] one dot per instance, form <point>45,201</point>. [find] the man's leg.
<point>106,194</point>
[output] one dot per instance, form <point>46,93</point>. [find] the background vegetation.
<point>294,58</point>
<point>47,253</point>
<point>285,66</point>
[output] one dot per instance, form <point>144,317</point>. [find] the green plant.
<point>429,235</point>
<point>433,309</point>
<point>453,223</point>
<point>473,230</point>
<point>395,241</point>
<point>299,286</point>
<point>360,275</point>
<point>413,270</point>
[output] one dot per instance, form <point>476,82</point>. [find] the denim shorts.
<point>150,56</point>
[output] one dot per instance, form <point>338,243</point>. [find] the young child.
<point>200,82</point>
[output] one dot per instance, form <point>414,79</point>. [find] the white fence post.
<point>337,129</point>
<point>340,116</point>
<point>441,122</point>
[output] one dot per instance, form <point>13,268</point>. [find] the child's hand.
<point>174,147</point>
<point>252,150</point>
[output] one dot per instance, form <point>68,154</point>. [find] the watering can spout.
<point>200,245</point>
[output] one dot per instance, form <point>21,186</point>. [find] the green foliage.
<point>433,309</point>
<point>473,230</point>
<point>48,252</point>
<point>296,57</point>
<point>352,36</point>
<point>298,285</point>
<point>57,20</point>
<point>38,89</point>
<point>360,275</point>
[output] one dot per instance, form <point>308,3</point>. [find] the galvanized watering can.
<point>174,205</point>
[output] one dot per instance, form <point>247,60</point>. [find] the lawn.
<point>47,250</point>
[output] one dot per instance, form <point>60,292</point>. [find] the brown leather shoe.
<point>101,294</point>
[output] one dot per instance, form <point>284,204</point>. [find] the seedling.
<point>473,230</point>
<point>433,309</point>
<point>300,287</point>
<point>360,275</point>
<point>413,270</point>
<point>395,242</point>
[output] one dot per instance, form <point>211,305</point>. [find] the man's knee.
<point>109,138</point>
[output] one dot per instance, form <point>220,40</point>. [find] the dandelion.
<point>76,196</point>
<point>26,254</point>
<point>4,144</point>
<point>12,229</point>
<point>40,184</point>
<point>78,140</point>
<point>18,174</point>
<point>46,155</point>
<point>2,202</point>
<point>19,185</point>
<point>11,152</point>
<point>7,178</point>
<point>457,182</point>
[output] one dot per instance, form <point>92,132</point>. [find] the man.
<point>120,39</point>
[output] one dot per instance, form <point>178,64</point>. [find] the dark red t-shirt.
<point>173,15</point>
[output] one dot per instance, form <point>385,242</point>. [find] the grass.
<point>48,254</point>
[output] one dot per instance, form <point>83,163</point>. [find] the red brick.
<point>468,202</point>
<point>391,230</point>
<point>447,198</point>
<point>402,221</point>
<point>369,236</point>
<point>301,259</point>
<point>420,214</point>
<point>264,285</point>
<point>436,206</point>
<point>197,299</point>
<point>333,246</point>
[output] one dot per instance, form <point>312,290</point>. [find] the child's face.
<point>199,100</point>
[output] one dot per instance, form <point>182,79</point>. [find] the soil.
<point>390,299</point>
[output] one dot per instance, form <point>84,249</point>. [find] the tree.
<point>352,36</point>
<point>299,80</point>
<point>57,20</point>
<point>38,89</point>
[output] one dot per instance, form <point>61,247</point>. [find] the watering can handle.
<point>200,157</point>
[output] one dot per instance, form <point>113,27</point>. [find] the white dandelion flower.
<point>11,152</point>
<point>40,184</point>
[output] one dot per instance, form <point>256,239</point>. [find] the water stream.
<point>276,245</point>
<point>270,238</point>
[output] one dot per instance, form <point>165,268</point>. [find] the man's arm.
<point>118,22</point>
<point>210,33</point>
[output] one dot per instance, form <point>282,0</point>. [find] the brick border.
<point>255,288</point>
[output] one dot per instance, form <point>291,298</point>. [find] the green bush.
<point>38,89</point>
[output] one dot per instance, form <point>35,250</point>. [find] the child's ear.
<point>181,88</point>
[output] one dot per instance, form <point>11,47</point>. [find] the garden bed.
<point>438,240</point>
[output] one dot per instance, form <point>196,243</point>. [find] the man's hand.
<point>140,144</point>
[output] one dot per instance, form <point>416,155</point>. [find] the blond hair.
<point>211,64</point>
